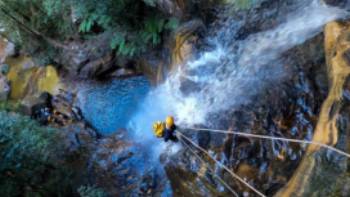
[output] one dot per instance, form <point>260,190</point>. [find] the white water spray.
<point>223,80</point>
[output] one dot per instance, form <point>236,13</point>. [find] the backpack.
<point>158,129</point>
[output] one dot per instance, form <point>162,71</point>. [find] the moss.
<point>26,79</point>
<point>50,80</point>
<point>8,106</point>
<point>329,177</point>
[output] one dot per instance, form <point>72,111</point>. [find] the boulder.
<point>87,59</point>
<point>28,81</point>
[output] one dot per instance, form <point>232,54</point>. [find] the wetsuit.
<point>169,134</point>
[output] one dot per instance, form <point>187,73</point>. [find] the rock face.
<point>111,163</point>
<point>29,81</point>
<point>182,46</point>
<point>294,109</point>
<point>287,110</point>
<point>116,166</point>
<point>4,88</point>
<point>338,3</point>
<point>332,123</point>
<point>87,59</point>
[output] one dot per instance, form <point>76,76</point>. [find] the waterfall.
<point>223,78</point>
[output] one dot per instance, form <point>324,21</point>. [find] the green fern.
<point>87,24</point>
<point>172,23</point>
<point>135,24</point>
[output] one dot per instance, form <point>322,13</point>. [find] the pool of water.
<point>108,107</point>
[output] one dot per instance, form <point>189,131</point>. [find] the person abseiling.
<point>165,130</point>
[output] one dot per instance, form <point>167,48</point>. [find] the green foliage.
<point>136,25</point>
<point>10,106</point>
<point>130,44</point>
<point>28,22</point>
<point>91,191</point>
<point>29,162</point>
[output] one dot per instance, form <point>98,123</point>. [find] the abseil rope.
<point>211,170</point>
<point>272,138</point>
<point>222,165</point>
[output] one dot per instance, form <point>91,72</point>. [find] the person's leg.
<point>173,137</point>
<point>166,135</point>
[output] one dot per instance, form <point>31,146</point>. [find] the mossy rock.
<point>28,80</point>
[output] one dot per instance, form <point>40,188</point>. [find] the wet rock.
<point>57,110</point>
<point>286,109</point>
<point>191,176</point>
<point>338,3</point>
<point>87,59</point>
<point>316,168</point>
<point>4,88</point>
<point>172,7</point>
<point>115,165</point>
<point>123,73</point>
<point>78,135</point>
<point>64,107</point>
<point>42,111</point>
<point>182,46</point>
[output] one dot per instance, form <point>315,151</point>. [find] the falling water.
<point>223,78</point>
<point>220,79</point>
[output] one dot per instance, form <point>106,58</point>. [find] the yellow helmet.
<point>169,121</point>
<point>158,129</point>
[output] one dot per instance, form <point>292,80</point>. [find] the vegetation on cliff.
<point>46,25</point>
<point>34,163</point>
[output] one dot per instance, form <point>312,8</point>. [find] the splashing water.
<point>219,80</point>
<point>223,78</point>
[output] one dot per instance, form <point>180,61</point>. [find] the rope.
<point>223,166</point>
<point>211,170</point>
<point>272,138</point>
